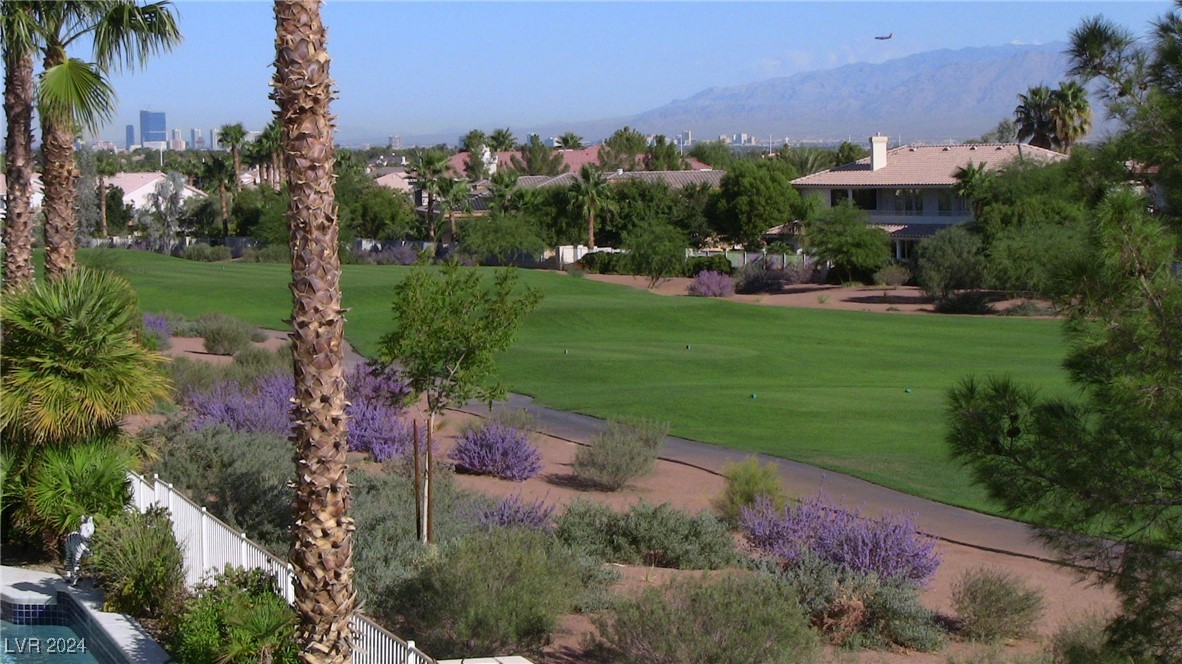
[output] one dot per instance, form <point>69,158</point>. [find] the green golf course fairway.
<point>856,392</point>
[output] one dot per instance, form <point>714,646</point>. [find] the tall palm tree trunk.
<point>591,230</point>
<point>237,167</point>
<point>225,209</point>
<point>18,148</point>
<point>59,175</point>
<point>322,546</point>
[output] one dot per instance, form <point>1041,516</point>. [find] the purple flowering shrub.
<point>375,425</point>
<point>888,546</point>
<point>513,512</point>
<point>496,449</point>
<point>392,255</point>
<point>157,327</point>
<point>709,283</point>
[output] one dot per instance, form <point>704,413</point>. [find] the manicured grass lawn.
<point>857,392</point>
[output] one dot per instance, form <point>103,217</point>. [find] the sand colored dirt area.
<point>694,488</point>
<point>905,299</point>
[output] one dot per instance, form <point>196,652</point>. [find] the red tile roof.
<point>924,165</point>
<point>575,159</point>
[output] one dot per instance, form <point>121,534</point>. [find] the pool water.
<point>42,644</point>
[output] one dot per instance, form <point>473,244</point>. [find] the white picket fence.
<point>209,545</point>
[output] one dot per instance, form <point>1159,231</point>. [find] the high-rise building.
<point>213,139</point>
<point>130,136</point>
<point>153,127</point>
<point>196,139</point>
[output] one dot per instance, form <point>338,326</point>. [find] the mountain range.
<point>933,96</point>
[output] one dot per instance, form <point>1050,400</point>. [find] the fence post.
<point>242,551</point>
<point>204,541</point>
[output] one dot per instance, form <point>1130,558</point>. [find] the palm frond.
<point>129,33</point>
<point>76,90</point>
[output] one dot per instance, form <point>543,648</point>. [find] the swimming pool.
<point>42,644</point>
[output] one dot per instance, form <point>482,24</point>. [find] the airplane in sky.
<point>886,37</point>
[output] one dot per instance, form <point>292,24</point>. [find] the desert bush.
<point>718,263</point>
<point>799,271</point>
<point>858,609</point>
<point>712,284</point>
<point>734,619</point>
<point>223,334</point>
<point>498,450</point>
<point>647,534</point>
<point>275,253</point>
<point>256,361</point>
<point>992,605</point>
<point>512,512</point>
<point>951,261</point>
<point>458,603</point>
<point>965,302</point>
<point>746,482</point>
<point>249,366</point>
<point>136,559</point>
<point>893,275</point>
<point>888,546</point>
<point>241,477</point>
<point>206,254</point>
<point>402,254</point>
<point>757,277</point>
<point>519,418</point>
<point>237,617</point>
<point>1085,641</point>
<point>621,453</point>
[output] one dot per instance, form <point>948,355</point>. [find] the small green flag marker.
<point>754,395</point>
<point>908,390</point>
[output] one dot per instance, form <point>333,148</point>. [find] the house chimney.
<point>878,151</point>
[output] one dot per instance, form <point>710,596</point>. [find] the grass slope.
<point>857,392</point>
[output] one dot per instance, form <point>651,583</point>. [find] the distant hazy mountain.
<point>929,96</point>
<point>932,96</point>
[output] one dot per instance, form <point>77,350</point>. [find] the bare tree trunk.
<point>322,536</point>
<point>591,231</point>
<point>18,148</point>
<point>225,209</point>
<point>103,203</point>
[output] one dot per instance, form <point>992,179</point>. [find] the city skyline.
<point>439,68</point>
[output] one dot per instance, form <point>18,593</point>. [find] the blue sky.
<point>414,68</point>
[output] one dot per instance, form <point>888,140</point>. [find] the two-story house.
<point>908,191</point>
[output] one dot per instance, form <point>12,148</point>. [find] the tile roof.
<point>924,165</point>
<point>911,231</point>
<point>397,180</point>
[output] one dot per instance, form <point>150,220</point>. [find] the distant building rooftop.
<point>925,165</point>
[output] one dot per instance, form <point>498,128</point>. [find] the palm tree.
<point>270,144</point>
<point>75,94</point>
<point>502,140</point>
<point>428,168</point>
<point>233,136</point>
<point>537,158</point>
<point>1033,115</point>
<point>72,366</point>
<point>1071,113</point>
<point>218,173</point>
<point>454,195</point>
<point>971,183</point>
<point>569,141</point>
<point>17,34</point>
<point>590,195</point>
<point>106,164</point>
<point>322,539</point>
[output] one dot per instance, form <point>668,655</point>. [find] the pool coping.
<point>32,587</point>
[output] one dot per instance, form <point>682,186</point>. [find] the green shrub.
<point>992,605</point>
<point>249,365</point>
<point>257,362</point>
<point>894,617</point>
<point>1085,641</point>
<point>137,561</point>
<point>206,254</point>
<point>457,603</point>
<point>720,264</point>
<point>240,617</point>
<point>657,535</point>
<point>746,482</point>
<point>757,277</point>
<point>621,453</point>
<point>520,419</point>
<point>951,261</point>
<point>605,262</point>
<point>735,619</point>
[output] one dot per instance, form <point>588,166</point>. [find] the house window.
<point>950,205</point>
<point>836,196</point>
<point>909,201</point>
<point>866,199</point>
